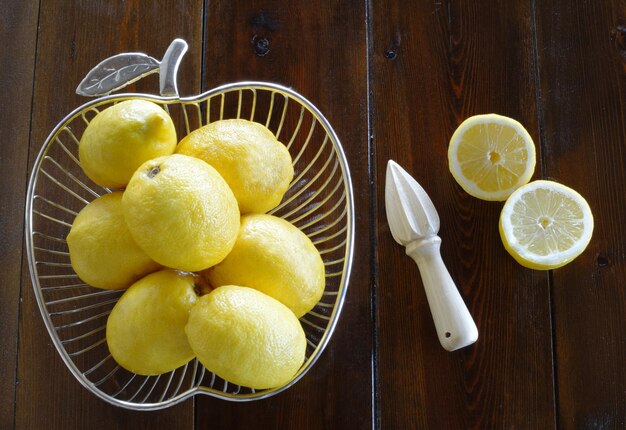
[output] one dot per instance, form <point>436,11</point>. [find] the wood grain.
<point>435,64</point>
<point>394,79</point>
<point>318,49</point>
<point>582,51</point>
<point>18,21</point>
<point>72,38</point>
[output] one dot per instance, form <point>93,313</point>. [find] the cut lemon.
<point>491,156</point>
<point>545,225</point>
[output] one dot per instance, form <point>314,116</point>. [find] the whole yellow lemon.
<point>246,337</point>
<point>257,167</point>
<point>145,331</point>
<point>181,212</point>
<point>102,252</point>
<point>122,137</point>
<point>273,256</point>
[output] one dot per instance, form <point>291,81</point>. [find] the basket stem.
<point>169,67</point>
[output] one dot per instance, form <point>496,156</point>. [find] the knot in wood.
<point>261,45</point>
<point>618,37</point>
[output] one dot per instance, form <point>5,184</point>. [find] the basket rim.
<point>198,389</point>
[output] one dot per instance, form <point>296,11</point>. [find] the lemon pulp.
<point>491,156</point>
<point>545,225</point>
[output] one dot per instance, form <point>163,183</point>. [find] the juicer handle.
<point>453,322</point>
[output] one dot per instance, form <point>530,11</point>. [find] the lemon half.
<point>491,156</point>
<point>545,225</point>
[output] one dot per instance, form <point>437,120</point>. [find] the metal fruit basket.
<point>319,201</point>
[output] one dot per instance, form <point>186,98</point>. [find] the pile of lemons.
<point>543,224</point>
<point>206,272</point>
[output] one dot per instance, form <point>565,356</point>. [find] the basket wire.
<point>319,201</point>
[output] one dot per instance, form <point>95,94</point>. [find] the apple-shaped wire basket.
<point>319,201</point>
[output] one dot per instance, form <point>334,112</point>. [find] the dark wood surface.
<point>18,22</point>
<point>582,54</point>
<point>394,79</point>
<point>433,66</point>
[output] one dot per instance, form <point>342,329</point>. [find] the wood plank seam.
<point>542,142</point>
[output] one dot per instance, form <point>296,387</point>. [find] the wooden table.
<point>395,79</point>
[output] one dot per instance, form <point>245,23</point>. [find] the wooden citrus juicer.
<point>414,224</point>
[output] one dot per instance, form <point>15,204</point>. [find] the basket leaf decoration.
<point>319,201</point>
